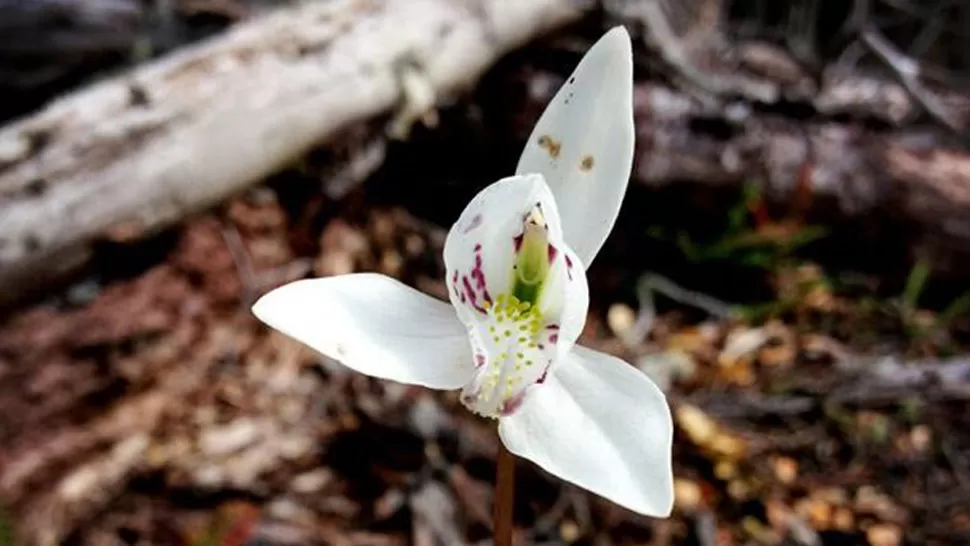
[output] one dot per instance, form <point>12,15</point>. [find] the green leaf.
<point>760,259</point>
<point>806,235</point>
<point>6,529</point>
<point>916,283</point>
<point>687,246</point>
<point>958,308</point>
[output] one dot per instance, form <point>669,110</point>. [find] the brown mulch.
<point>145,405</point>
<point>154,409</point>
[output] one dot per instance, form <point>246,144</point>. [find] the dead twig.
<point>907,70</point>
<point>650,283</point>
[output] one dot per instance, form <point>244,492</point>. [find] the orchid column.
<point>516,260</point>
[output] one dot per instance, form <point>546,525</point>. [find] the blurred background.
<point>791,265</point>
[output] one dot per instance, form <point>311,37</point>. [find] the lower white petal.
<point>601,424</point>
<point>374,325</point>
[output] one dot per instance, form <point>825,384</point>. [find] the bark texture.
<point>140,151</point>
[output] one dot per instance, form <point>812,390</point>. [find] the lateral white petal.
<point>375,325</point>
<point>601,424</point>
<point>583,143</point>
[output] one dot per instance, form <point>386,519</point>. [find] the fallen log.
<point>918,178</point>
<point>138,152</point>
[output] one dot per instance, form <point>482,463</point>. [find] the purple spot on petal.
<point>479,276</point>
<point>479,360</point>
<point>512,404</point>
<point>470,293</point>
<point>473,289</point>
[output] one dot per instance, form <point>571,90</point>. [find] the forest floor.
<point>145,405</point>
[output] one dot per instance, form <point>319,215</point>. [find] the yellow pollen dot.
<point>491,329</point>
<point>522,339</point>
<point>518,367</point>
<point>528,362</point>
<point>496,339</point>
<point>508,333</point>
<point>523,327</point>
<point>503,356</point>
<point>533,345</point>
<point>519,355</point>
<point>487,305</point>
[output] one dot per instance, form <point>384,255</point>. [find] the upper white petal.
<point>583,143</point>
<point>602,425</point>
<point>374,325</point>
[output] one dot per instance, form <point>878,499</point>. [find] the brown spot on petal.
<point>473,223</point>
<point>586,164</point>
<point>552,146</point>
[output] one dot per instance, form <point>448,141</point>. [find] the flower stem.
<point>504,496</point>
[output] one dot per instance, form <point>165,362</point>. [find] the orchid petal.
<point>480,248</point>
<point>601,424</point>
<point>516,335</point>
<point>375,325</point>
<point>583,143</point>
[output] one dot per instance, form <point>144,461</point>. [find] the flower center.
<point>532,258</point>
<point>513,340</point>
<point>514,347</point>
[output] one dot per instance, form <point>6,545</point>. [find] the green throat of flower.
<point>532,260</point>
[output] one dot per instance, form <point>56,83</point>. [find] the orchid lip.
<point>508,277</point>
<point>514,349</point>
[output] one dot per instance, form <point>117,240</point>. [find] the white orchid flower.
<point>516,279</point>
